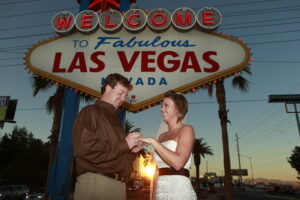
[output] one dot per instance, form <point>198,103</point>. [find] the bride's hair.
<point>180,102</point>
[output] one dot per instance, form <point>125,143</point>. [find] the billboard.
<point>239,172</point>
<point>4,100</point>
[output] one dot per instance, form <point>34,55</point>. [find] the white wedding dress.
<point>173,187</point>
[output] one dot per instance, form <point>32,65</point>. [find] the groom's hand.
<point>138,147</point>
<point>132,139</point>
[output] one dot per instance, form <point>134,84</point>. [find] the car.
<point>211,189</point>
<point>36,196</point>
<point>273,189</point>
<point>40,194</point>
<point>12,192</point>
<point>146,189</point>
<point>132,188</point>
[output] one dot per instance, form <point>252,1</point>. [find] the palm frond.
<point>86,99</point>
<point>240,83</point>
<point>50,104</point>
<point>129,127</point>
<point>248,70</point>
<point>39,84</point>
<point>209,88</point>
<point>201,148</point>
<point>145,154</point>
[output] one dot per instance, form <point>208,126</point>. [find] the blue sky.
<point>267,133</point>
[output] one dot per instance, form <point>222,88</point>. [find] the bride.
<point>173,151</point>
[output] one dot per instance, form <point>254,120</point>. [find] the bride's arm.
<point>184,148</point>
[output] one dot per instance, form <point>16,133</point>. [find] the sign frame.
<point>155,100</point>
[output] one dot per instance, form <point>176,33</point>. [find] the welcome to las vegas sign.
<point>154,60</point>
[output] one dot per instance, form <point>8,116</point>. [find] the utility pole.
<point>238,149</point>
<point>252,171</point>
<point>251,167</point>
<point>206,166</point>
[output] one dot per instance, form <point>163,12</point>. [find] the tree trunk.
<point>220,94</point>
<point>58,101</point>
<point>197,174</point>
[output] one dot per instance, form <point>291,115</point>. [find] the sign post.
<point>288,99</point>
<point>60,175</point>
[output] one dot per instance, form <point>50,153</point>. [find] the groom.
<point>103,154</point>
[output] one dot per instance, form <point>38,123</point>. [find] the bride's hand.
<point>147,140</point>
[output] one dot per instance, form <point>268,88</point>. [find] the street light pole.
<point>238,149</point>
<point>251,167</point>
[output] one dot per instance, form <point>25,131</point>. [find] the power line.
<point>51,33</point>
<point>230,101</point>
<point>262,11</point>
<point>12,3</point>
<point>262,21</point>
<point>262,119</point>
<point>277,61</point>
<point>268,132</point>
<point>25,109</point>
<point>272,148</point>
<point>35,13</point>
<point>23,36</point>
<point>269,33</point>
<point>12,65</point>
<point>12,52</point>
<point>257,26</point>
<point>275,41</point>
<point>238,3</point>
<point>23,27</point>
<point>11,58</point>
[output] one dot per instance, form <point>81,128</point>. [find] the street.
<point>257,196</point>
<point>140,195</point>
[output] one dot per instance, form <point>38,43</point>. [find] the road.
<point>255,196</point>
<point>140,195</point>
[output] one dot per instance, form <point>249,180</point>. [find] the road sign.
<point>239,172</point>
<point>279,98</point>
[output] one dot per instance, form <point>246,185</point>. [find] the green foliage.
<point>294,160</point>
<point>200,149</point>
<point>129,128</point>
<point>24,159</point>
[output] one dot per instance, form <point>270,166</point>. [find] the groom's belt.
<point>172,171</point>
<point>115,176</point>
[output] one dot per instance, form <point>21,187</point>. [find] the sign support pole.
<point>124,6</point>
<point>64,159</point>
<point>59,186</point>
<point>297,117</point>
<point>61,170</point>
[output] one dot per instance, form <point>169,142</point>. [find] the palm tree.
<point>200,149</point>
<point>129,128</point>
<point>243,85</point>
<point>53,105</point>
